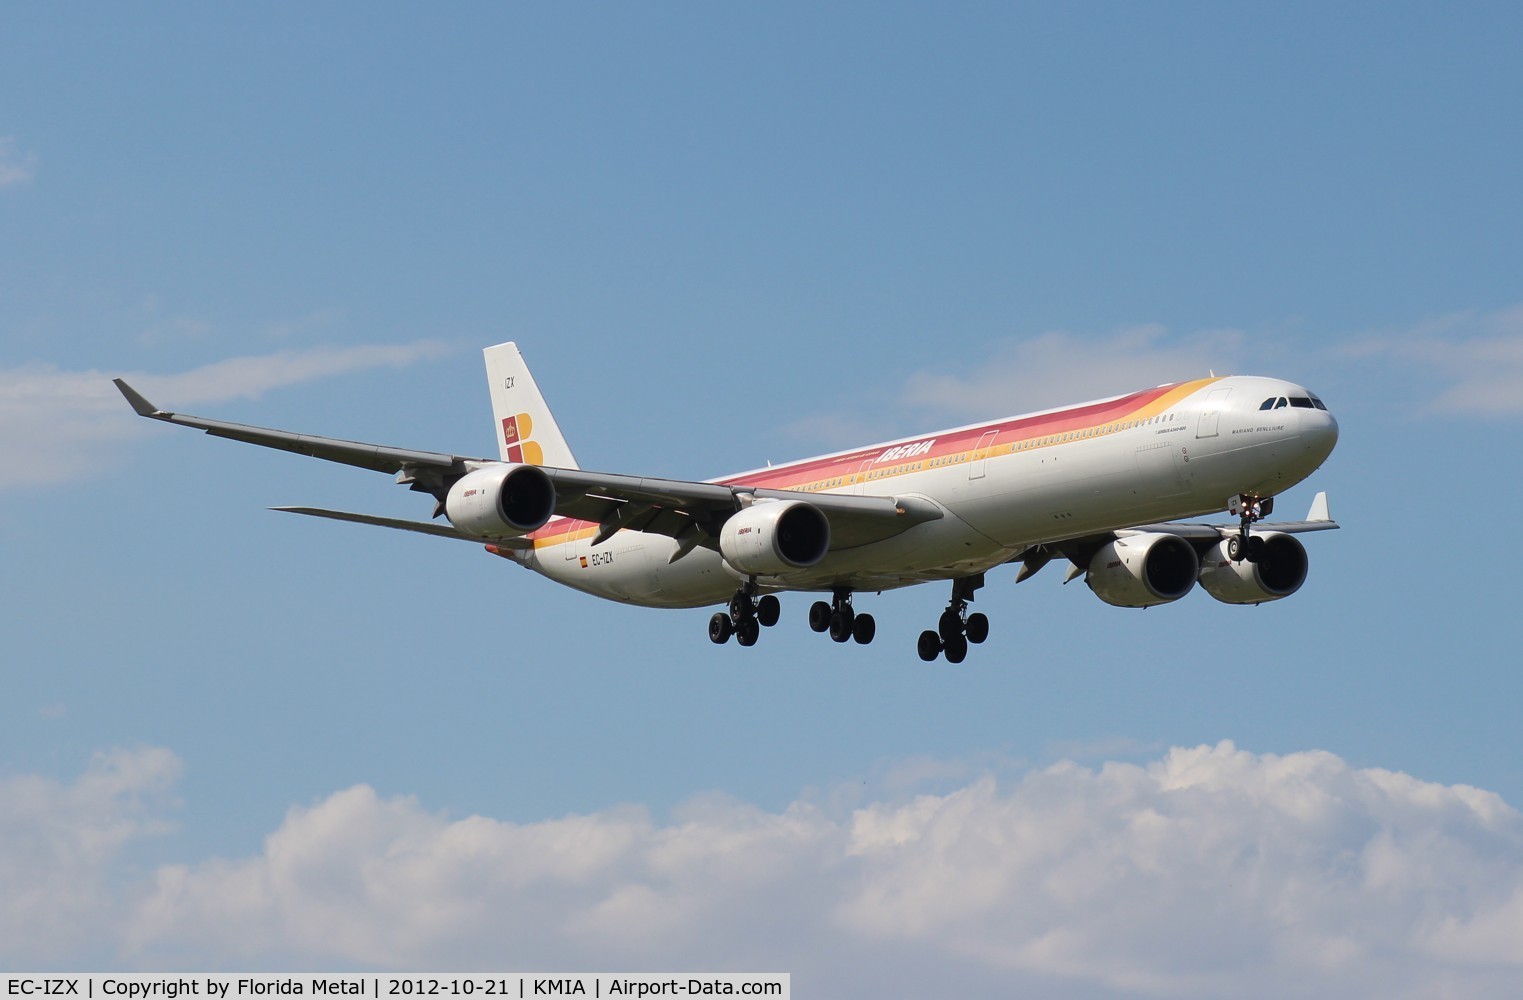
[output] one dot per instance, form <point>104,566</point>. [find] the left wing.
<point>1080,551</point>
<point>691,512</point>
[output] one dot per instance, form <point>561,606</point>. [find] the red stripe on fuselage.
<point>963,440</point>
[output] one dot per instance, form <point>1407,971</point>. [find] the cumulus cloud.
<point>15,167</point>
<point>61,423</point>
<point>1057,367</point>
<point>1022,374</point>
<point>60,844</point>
<point>1209,871</point>
<point>1477,356</point>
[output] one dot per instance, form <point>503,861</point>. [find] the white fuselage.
<point>1004,486</point>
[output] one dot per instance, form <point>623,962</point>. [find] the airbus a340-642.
<point>1098,484</point>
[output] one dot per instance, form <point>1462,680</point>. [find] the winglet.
<point>1318,510</point>
<point>141,405</point>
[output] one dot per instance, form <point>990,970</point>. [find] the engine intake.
<point>501,501</point>
<point>1278,572</point>
<point>1140,571</point>
<point>775,536</point>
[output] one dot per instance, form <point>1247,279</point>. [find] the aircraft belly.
<point>633,568</point>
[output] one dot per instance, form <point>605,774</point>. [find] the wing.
<point>691,512</point>
<point>1080,551</point>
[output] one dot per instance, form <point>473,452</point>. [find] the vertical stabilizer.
<point>526,431</point>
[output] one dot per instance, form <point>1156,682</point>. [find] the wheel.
<point>928,646</point>
<point>949,626</point>
<point>1235,548</point>
<point>978,627</point>
<point>741,606</point>
<point>863,629</point>
<point>768,609</point>
<point>720,628</point>
<point>1256,547</point>
<point>840,624</point>
<point>747,631</point>
<point>957,649</point>
<point>819,616</point>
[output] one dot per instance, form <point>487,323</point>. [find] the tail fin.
<point>526,430</point>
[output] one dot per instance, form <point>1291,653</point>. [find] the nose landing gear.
<point>1249,509</point>
<point>747,616</point>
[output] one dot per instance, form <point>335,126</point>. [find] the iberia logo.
<point>515,434</point>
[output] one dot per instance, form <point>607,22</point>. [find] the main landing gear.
<point>1249,509</point>
<point>746,617</point>
<point>956,628</point>
<point>841,621</point>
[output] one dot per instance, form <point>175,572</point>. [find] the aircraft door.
<point>859,487</point>
<point>1210,417</point>
<point>976,468</point>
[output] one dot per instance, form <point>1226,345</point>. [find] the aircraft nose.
<point>1319,432</point>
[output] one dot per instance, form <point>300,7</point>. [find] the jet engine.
<point>1139,571</point>
<point>1278,570</point>
<point>501,501</point>
<point>775,536</point>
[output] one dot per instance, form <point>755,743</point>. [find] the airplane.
<point>1102,484</point>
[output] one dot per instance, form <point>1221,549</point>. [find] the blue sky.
<point>723,235</point>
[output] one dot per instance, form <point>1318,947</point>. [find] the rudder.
<point>526,429</point>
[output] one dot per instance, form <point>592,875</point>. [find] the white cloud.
<point>59,844</point>
<point>1022,374</point>
<point>1476,356</point>
<point>1210,871</point>
<point>62,423</point>
<point>1059,367</point>
<point>15,168</point>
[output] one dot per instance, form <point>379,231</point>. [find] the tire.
<point>768,610</point>
<point>928,645</point>
<point>978,627</point>
<point>840,625</point>
<point>957,649</point>
<point>1236,548</point>
<point>819,616</point>
<point>747,632</point>
<point>741,606</point>
<point>720,628</point>
<point>950,626</point>
<point>1256,549</point>
<point>863,629</point>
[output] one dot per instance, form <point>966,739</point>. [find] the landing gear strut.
<point>956,628</point>
<point>841,621</point>
<point>746,617</point>
<point>1249,510</point>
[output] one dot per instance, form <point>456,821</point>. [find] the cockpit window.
<point>1301,401</point>
<point>1318,403</point>
<point>1267,404</point>
<point>1279,404</point>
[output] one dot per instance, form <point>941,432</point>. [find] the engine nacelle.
<point>501,501</point>
<point>775,536</point>
<point>1279,571</point>
<point>1140,571</point>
